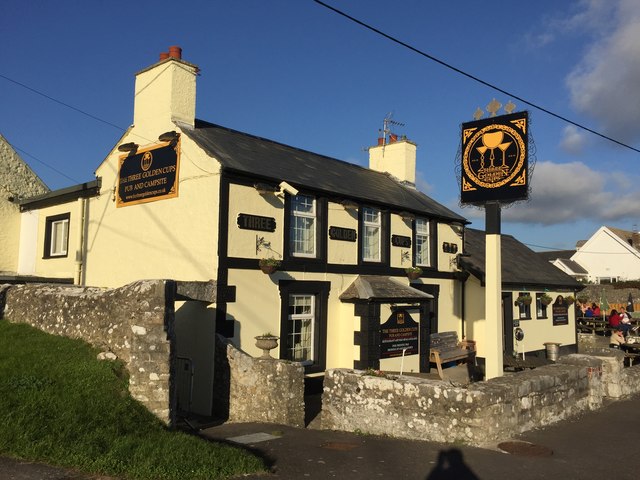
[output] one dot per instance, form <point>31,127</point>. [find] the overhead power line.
<point>473,77</point>
<point>63,103</point>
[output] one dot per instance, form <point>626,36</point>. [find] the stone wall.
<point>478,413</point>
<point>134,323</point>
<point>251,389</point>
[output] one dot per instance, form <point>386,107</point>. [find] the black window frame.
<point>320,290</point>
<point>49,221</point>
<point>540,307</point>
<point>321,232</point>
<point>384,236</point>
<point>524,308</point>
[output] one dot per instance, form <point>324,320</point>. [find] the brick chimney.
<point>635,239</point>
<point>166,92</point>
<point>397,157</point>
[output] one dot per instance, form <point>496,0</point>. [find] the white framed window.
<point>422,250</point>
<point>372,229</point>
<point>300,332</point>
<point>56,236</point>
<point>303,226</point>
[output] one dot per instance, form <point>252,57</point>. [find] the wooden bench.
<point>445,347</point>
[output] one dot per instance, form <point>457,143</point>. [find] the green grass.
<point>61,406</point>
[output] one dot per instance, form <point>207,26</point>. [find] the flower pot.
<point>413,275</point>
<point>266,344</point>
<point>268,269</point>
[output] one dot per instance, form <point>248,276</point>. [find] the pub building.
<point>181,198</point>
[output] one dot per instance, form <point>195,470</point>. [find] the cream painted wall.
<point>172,238</point>
<point>28,242</point>
<point>9,234</point>
<point>606,255</point>
<point>339,251</point>
<point>537,331</point>
<point>446,261</point>
<point>401,227</point>
<point>242,243</point>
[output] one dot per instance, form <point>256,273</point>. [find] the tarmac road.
<point>595,445</point>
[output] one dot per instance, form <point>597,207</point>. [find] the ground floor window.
<point>56,236</point>
<point>303,327</point>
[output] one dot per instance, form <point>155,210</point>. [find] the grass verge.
<point>60,405</point>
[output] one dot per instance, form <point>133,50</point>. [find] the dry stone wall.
<point>134,323</point>
<point>478,413</point>
<point>249,389</point>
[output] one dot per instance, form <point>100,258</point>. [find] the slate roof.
<point>575,267</point>
<point>250,155</point>
<point>555,254</point>
<point>625,235</point>
<point>382,288</point>
<point>521,266</point>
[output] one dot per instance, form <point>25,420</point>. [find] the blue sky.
<point>297,73</point>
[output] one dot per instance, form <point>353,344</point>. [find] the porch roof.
<point>380,288</point>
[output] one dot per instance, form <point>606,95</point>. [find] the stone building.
<point>17,181</point>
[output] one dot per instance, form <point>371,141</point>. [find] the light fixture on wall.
<point>407,216</point>
<point>128,147</point>
<point>264,188</point>
<point>171,136</point>
<point>349,205</point>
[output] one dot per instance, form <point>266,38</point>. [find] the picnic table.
<point>593,325</point>
<point>631,350</point>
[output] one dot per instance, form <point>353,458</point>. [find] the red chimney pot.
<point>393,137</point>
<point>380,141</point>
<point>175,52</point>
<point>164,55</point>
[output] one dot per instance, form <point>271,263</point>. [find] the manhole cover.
<point>525,449</point>
<point>339,446</point>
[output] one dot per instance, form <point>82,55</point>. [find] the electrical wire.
<point>473,77</point>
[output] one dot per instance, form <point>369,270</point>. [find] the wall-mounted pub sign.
<point>256,222</point>
<point>560,311</point>
<point>398,333</point>
<point>401,241</point>
<point>148,175</point>
<point>494,159</point>
<point>344,234</point>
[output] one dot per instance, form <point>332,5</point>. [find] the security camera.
<point>285,187</point>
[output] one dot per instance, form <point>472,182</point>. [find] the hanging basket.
<point>269,265</point>
<point>546,300</point>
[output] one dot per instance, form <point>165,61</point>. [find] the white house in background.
<point>610,255</point>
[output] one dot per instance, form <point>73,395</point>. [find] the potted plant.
<point>266,342</point>
<point>545,299</point>
<point>569,299</point>
<point>524,299</point>
<point>269,265</point>
<point>413,273</point>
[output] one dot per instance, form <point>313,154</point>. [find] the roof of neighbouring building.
<point>575,267</point>
<point>555,254</point>
<point>521,266</point>
<point>272,161</point>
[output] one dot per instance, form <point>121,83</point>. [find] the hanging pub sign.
<point>148,175</point>
<point>495,160</point>
<point>398,333</point>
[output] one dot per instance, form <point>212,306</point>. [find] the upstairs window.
<point>303,226</point>
<point>372,231</point>
<point>422,251</point>
<point>56,237</point>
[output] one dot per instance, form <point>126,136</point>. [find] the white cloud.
<point>605,83</point>
<point>570,192</point>
<point>573,140</point>
<point>422,184</point>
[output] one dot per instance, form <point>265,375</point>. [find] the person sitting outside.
<point>614,318</point>
<point>625,322</point>
<point>596,310</point>
<point>588,312</point>
<point>616,340</point>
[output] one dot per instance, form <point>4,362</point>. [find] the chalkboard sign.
<point>399,332</point>
<point>560,311</point>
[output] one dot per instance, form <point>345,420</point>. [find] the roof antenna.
<point>386,130</point>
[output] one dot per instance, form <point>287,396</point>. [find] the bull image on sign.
<point>494,159</point>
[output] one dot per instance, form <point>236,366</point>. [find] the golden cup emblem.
<point>146,161</point>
